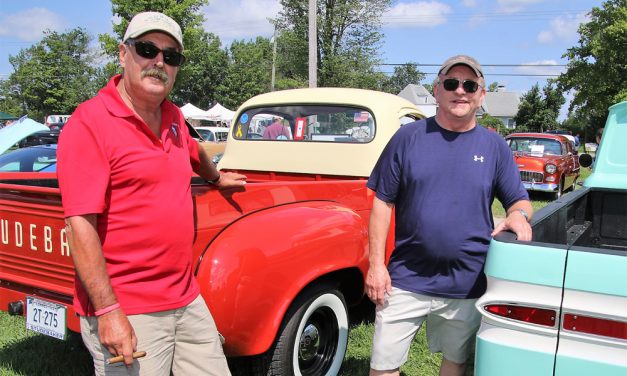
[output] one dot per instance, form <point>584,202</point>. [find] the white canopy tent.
<point>220,113</point>
<point>192,112</point>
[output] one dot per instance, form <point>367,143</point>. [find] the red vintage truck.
<point>278,261</point>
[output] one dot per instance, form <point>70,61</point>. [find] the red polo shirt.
<point>112,165</point>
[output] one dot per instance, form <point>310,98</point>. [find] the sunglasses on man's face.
<point>148,50</point>
<point>451,84</point>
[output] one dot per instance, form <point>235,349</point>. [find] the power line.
<point>483,65</point>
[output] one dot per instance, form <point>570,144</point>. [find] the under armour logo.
<point>480,159</point>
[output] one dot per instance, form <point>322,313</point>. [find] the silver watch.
<point>524,214</point>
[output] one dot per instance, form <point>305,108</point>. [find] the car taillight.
<point>595,325</point>
<point>532,315</point>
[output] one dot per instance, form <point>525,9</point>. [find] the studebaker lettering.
<point>15,234</point>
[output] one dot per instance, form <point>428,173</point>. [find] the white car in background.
<point>213,140</point>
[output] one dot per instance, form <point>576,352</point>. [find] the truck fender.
<point>254,269</point>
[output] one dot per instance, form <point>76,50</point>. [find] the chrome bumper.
<point>542,187</point>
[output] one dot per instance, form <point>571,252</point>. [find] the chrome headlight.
<point>550,168</point>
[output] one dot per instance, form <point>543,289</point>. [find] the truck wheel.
<point>314,335</point>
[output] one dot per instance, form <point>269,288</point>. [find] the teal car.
<point>558,305</point>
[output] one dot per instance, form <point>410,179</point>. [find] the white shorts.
<point>451,327</point>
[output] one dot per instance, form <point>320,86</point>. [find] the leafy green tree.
<point>8,101</point>
<point>348,42</point>
<point>553,101</point>
<point>493,87</point>
<point>490,121</point>
<point>198,82</point>
<point>538,114</point>
<point>53,76</point>
<point>403,75</point>
<point>597,67</point>
<point>249,71</point>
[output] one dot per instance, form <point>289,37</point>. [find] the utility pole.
<point>273,56</point>
<point>313,47</point>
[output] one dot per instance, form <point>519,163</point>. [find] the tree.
<point>537,113</point>
<point>403,75</point>
<point>248,73</point>
<point>348,42</point>
<point>493,87</point>
<point>53,76</point>
<point>553,102</point>
<point>597,67</point>
<point>490,121</point>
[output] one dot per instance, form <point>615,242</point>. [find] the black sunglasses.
<point>451,84</point>
<point>150,51</point>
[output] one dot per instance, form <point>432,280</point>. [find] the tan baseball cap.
<point>464,60</point>
<point>153,21</point>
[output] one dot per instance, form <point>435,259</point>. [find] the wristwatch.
<point>215,180</point>
<point>524,214</point>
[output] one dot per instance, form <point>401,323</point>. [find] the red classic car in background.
<point>547,162</point>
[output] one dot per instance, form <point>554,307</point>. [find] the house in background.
<point>502,105</point>
<point>418,95</point>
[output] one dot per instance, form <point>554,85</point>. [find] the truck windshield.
<point>308,123</point>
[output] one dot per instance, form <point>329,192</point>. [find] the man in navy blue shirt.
<point>441,176</point>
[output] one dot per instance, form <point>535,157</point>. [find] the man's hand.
<point>378,283</point>
<point>231,179</point>
<point>117,335</point>
<point>517,223</point>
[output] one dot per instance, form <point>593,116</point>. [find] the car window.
<point>33,159</point>
<point>535,146</point>
<point>221,135</point>
<point>306,123</point>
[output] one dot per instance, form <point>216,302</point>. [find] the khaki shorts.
<point>451,327</point>
<point>183,340</point>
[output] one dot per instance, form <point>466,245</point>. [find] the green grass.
<point>25,353</point>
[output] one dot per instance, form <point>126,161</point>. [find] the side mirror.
<point>585,160</point>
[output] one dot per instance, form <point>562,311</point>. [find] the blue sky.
<point>496,32</point>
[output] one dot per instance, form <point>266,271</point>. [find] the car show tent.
<point>192,112</point>
<point>220,113</point>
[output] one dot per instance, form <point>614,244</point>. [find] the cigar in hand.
<point>120,358</point>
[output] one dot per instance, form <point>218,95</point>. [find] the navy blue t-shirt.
<point>442,184</point>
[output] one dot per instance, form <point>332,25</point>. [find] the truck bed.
<point>589,217</point>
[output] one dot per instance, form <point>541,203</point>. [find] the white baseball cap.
<point>153,21</point>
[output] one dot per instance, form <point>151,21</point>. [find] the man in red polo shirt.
<point>125,164</point>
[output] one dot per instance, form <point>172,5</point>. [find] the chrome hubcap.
<point>309,343</point>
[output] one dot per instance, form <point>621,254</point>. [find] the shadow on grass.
<point>40,355</point>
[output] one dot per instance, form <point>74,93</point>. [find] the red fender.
<point>253,270</point>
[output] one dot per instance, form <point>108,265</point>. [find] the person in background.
<point>125,162</point>
<point>441,176</point>
<point>278,130</point>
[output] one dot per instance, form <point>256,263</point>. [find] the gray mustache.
<point>156,73</point>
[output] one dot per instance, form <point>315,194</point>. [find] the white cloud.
<point>241,19</point>
<point>417,14</point>
<point>563,28</point>
<point>541,67</point>
<point>469,3</point>
<point>513,6</point>
<point>29,25</point>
